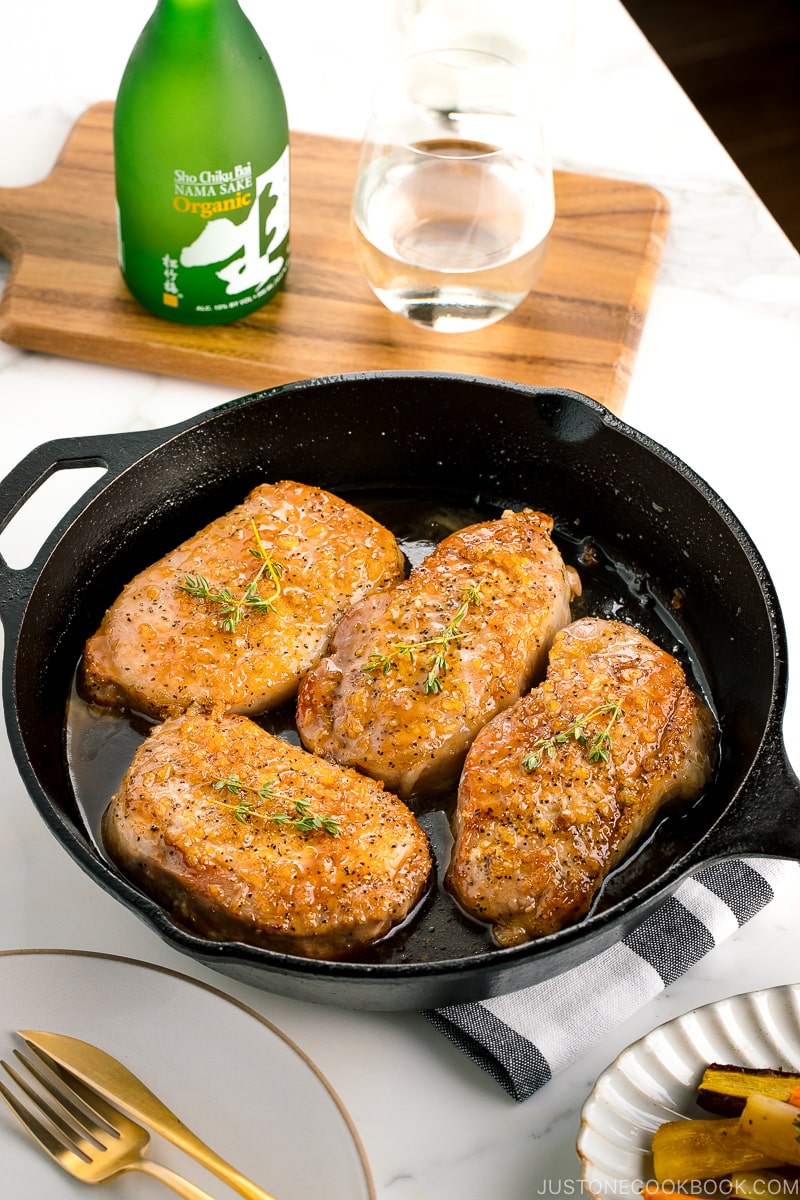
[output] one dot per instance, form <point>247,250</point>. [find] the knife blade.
<point>119,1085</point>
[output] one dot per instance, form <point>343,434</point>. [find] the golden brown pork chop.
<point>415,670</point>
<point>245,837</point>
<point>542,817</point>
<point>238,612</point>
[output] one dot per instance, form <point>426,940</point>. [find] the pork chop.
<point>414,671</point>
<point>237,613</point>
<point>244,837</point>
<point>556,789</point>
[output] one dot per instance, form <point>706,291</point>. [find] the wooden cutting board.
<point>580,329</point>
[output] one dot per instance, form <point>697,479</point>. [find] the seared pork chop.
<point>238,612</point>
<point>414,671</point>
<point>245,837</point>
<point>556,789</point>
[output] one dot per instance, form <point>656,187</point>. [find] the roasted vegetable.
<point>756,1185</point>
<point>686,1150</point>
<point>725,1087</point>
<point>772,1127</point>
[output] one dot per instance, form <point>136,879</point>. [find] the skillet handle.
<point>764,818</point>
<point>116,452</point>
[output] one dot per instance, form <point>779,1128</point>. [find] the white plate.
<point>655,1079</point>
<point>233,1078</point>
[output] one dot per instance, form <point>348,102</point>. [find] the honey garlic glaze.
<point>100,744</point>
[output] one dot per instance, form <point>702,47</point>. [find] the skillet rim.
<point>144,444</point>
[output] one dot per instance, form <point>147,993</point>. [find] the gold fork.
<point>97,1142</point>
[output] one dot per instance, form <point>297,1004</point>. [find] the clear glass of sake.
<point>453,203</point>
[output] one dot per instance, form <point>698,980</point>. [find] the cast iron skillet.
<point>663,551</point>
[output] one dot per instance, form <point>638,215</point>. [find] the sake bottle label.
<point>248,255</point>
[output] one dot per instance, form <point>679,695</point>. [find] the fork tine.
<point>92,1163</point>
<point>75,1138</point>
<point>113,1120</point>
<point>46,1139</point>
<point>66,1098</point>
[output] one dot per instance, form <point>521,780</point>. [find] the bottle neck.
<point>195,10</point>
<point>196,6</point>
<point>190,18</point>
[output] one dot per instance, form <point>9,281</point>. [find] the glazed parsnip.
<point>703,1149</point>
<point>756,1185</point>
<point>725,1087</point>
<point>772,1127</point>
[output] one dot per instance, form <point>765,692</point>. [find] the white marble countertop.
<point>716,380</point>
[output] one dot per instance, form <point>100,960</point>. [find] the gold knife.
<point>120,1086</point>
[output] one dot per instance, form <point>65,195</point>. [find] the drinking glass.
<point>537,35</point>
<point>453,203</point>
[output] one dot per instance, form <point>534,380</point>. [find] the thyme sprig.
<point>598,745</point>
<point>233,607</point>
<point>305,820</point>
<point>437,661</point>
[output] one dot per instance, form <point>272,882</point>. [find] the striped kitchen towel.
<point>525,1038</point>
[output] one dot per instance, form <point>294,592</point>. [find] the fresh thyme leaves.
<point>598,744</point>
<point>796,1123</point>
<point>305,820</point>
<point>232,608</point>
<point>436,662</point>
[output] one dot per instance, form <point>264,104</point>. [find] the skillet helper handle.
<point>115,452</point>
<point>764,818</point>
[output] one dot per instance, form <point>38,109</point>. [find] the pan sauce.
<point>100,744</point>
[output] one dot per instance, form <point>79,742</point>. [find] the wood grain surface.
<point>579,329</point>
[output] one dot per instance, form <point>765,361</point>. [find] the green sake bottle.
<point>201,155</point>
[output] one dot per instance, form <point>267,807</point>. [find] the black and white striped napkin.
<point>525,1038</point>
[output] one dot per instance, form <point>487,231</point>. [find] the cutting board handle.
<point>113,452</point>
<point>12,202</point>
<point>26,211</point>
